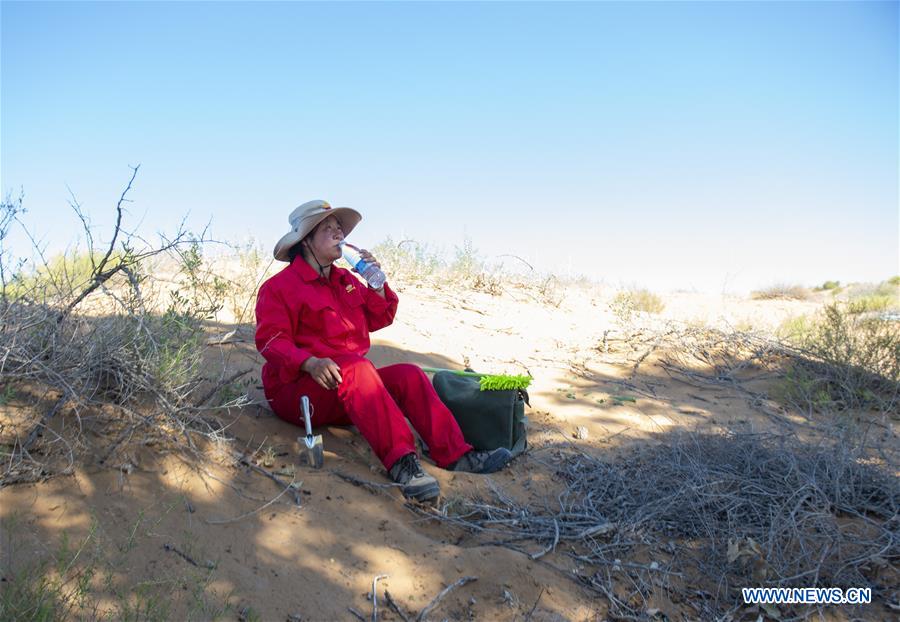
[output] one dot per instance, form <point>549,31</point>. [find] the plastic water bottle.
<point>371,273</point>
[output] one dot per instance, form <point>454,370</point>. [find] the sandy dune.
<point>192,541</point>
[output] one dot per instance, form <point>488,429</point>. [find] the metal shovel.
<point>315,449</point>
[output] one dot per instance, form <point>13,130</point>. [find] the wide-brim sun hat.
<point>305,218</point>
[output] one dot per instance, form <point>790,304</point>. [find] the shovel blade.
<point>315,451</point>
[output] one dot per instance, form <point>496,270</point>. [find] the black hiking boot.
<point>416,483</point>
<point>482,461</point>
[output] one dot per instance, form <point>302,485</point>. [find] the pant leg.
<point>416,397</point>
<point>371,408</point>
<point>325,405</point>
<point>360,399</point>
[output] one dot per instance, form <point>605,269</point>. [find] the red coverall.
<point>298,315</point>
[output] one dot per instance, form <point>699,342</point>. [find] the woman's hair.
<point>295,251</point>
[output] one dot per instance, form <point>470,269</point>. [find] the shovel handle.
<point>304,407</point>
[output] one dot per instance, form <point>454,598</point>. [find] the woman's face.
<point>325,239</point>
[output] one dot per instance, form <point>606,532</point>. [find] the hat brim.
<point>349,218</point>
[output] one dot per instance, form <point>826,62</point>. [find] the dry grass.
<point>832,362</point>
<point>782,291</point>
<point>638,301</point>
<point>412,264</point>
<point>830,286</point>
<point>77,581</point>
<point>884,297</point>
<point>107,340</point>
<point>843,361</point>
<point>715,512</point>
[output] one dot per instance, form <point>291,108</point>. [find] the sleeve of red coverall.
<point>380,311</point>
<point>274,338</point>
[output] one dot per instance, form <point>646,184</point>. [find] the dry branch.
<point>437,599</point>
<point>393,605</point>
<point>723,507</point>
<point>104,342</point>
<point>243,459</point>
<point>43,422</point>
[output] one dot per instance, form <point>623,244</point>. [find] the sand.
<point>180,540</point>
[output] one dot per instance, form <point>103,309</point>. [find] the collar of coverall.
<point>307,272</point>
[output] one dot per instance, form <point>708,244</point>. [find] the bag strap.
<point>520,446</point>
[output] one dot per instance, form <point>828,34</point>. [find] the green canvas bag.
<point>488,419</point>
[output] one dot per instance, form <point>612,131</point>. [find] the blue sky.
<point>672,145</point>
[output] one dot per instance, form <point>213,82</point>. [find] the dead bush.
<point>711,511</point>
<point>781,291</point>
<point>106,332</point>
<point>627,303</point>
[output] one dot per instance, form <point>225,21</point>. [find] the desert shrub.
<point>885,288</point>
<point>202,292</point>
<point>888,288</point>
<point>736,509</point>
<point>795,329</point>
<point>845,361</point>
<point>83,580</point>
<point>637,300</point>
<point>407,260</point>
<point>31,594</point>
<point>127,346</point>
<point>56,588</point>
<point>872,299</point>
<point>467,262</point>
<point>829,285</point>
<point>51,281</point>
<point>118,332</point>
<point>489,282</point>
<point>781,291</point>
<point>871,304</point>
<point>176,358</point>
<point>253,266</point>
<point>549,290</point>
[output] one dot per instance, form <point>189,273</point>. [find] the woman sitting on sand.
<point>312,326</point>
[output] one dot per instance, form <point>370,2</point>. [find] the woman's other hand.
<point>324,371</point>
